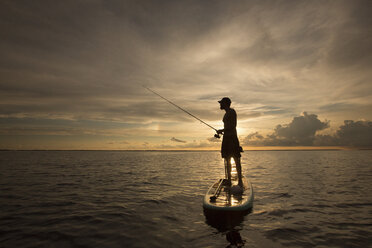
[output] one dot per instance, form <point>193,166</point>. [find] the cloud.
<point>353,40</point>
<point>255,136</point>
<point>351,133</point>
<point>177,140</point>
<point>117,142</point>
<point>214,140</point>
<point>339,106</point>
<point>355,133</point>
<point>86,61</point>
<point>302,131</point>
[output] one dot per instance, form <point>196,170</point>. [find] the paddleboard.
<point>223,197</point>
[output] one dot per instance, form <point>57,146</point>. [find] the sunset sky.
<point>298,73</point>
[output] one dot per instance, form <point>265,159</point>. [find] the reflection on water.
<point>228,222</point>
<point>234,239</point>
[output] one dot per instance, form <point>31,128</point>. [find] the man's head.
<point>225,103</point>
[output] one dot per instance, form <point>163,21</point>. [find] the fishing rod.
<point>187,112</point>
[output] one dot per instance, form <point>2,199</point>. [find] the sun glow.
<point>240,130</point>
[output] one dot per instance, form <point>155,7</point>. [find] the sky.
<point>71,73</point>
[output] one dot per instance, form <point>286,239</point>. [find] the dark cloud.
<point>282,42</point>
<point>253,136</point>
<point>355,133</point>
<point>177,140</point>
<point>352,43</point>
<point>214,140</point>
<point>97,108</point>
<point>79,48</point>
<point>302,132</point>
<point>351,133</point>
<point>336,107</point>
<point>152,19</point>
<point>69,49</point>
<point>87,60</point>
<point>48,126</point>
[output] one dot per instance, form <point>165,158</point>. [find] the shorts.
<point>230,147</point>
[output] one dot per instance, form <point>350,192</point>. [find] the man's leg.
<point>239,170</point>
<point>228,169</point>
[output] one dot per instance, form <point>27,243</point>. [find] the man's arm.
<point>230,123</point>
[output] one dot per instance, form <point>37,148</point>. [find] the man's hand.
<point>220,131</point>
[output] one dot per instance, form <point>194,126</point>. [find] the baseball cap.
<point>225,100</point>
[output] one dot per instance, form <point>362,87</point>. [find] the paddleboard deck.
<point>220,196</point>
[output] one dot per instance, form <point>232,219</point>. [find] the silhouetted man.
<point>230,144</point>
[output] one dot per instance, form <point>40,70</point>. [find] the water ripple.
<point>154,199</point>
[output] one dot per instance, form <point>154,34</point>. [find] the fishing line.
<point>187,112</point>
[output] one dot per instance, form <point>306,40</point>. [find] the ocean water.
<point>154,199</point>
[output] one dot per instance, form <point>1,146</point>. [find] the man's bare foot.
<point>228,182</point>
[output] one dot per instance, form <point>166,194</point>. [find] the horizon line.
<point>206,150</point>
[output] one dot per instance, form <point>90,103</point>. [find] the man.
<point>230,144</point>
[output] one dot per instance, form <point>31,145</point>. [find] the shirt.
<point>229,121</point>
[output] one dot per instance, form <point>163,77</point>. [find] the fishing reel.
<point>217,135</point>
